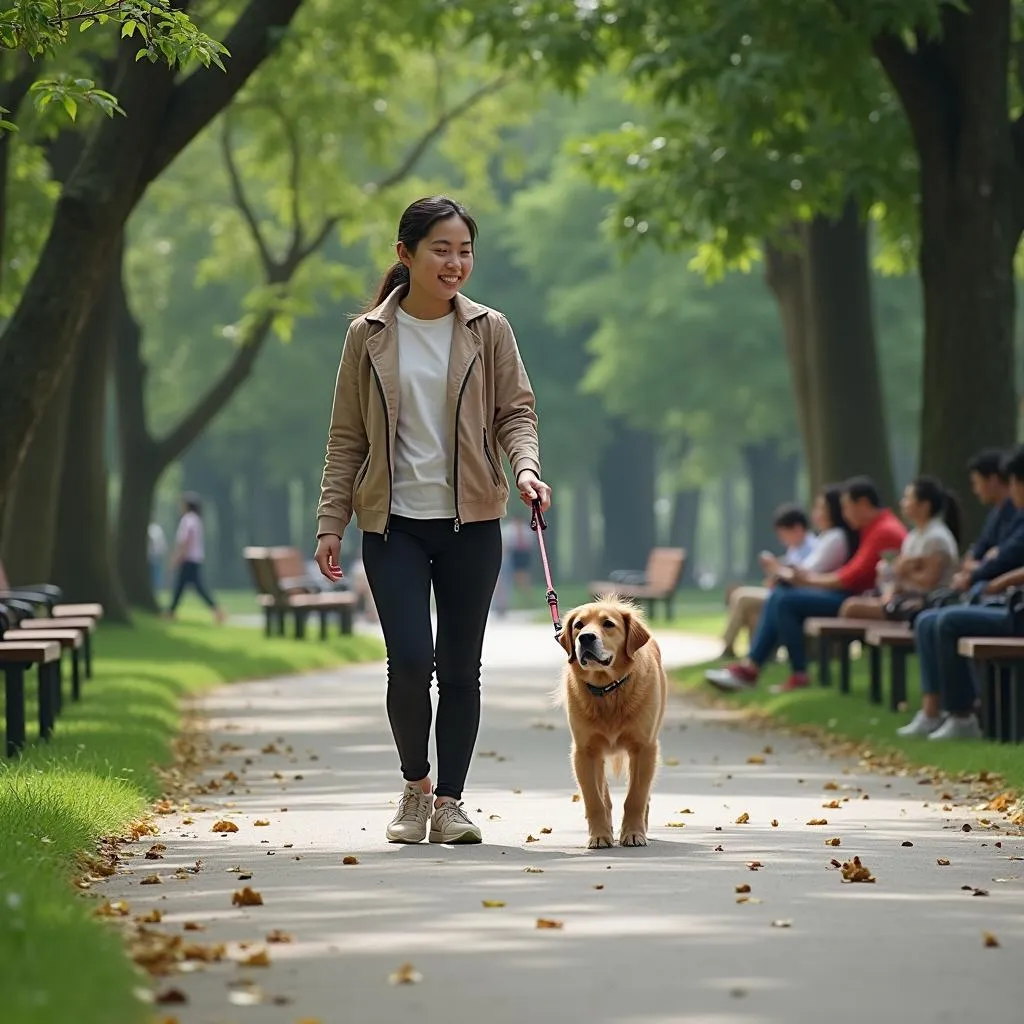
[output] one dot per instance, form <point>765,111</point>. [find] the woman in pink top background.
<point>189,555</point>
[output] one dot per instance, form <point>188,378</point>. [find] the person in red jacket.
<point>804,595</point>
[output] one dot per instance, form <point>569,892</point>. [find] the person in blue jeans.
<point>803,595</point>
<point>948,684</point>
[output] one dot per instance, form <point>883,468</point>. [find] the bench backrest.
<point>665,569</point>
<point>261,569</point>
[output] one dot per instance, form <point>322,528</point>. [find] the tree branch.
<point>238,195</point>
<point>207,91</point>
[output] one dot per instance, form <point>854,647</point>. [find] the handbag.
<point>907,607</point>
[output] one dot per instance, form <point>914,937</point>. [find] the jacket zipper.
<point>387,447</point>
<point>490,459</point>
<point>455,460</point>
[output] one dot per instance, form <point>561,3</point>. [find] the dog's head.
<point>603,633</point>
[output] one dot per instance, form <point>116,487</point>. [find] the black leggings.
<point>191,573</point>
<point>463,569</point>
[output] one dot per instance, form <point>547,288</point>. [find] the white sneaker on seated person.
<point>953,728</point>
<point>921,725</point>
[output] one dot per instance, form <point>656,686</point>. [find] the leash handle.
<point>538,524</point>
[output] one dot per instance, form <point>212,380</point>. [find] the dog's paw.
<point>633,839</point>
<point>599,842</point>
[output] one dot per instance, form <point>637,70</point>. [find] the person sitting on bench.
<point>806,595</point>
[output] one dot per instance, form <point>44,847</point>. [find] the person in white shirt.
<point>824,552</point>
<point>928,557</point>
<point>189,555</point>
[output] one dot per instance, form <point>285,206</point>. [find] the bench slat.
<point>991,648</point>
<point>26,652</point>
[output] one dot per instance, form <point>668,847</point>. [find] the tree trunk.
<point>784,275</point>
<point>582,569</point>
<point>772,472</point>
<point>627,476</point>
<point>29,532</point>
<point>83,560</point>
<point>844,367</point>
<point>728,528</point>
<point>682,529</point>
<point>971,158</point>
<point>226,549</point>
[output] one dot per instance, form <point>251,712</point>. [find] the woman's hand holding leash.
<point>532,488</point>
<point>328,556</point>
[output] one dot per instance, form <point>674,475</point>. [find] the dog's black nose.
<point>587,639</point>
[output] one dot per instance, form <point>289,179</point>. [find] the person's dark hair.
<point>832,495</point>
<point>789,516</point>
<point>859,488</point>
<point>988,462</point>
<point>193,503</point>
<point>943,502</point>
<point>1013,464</point>
<point>414,225</point>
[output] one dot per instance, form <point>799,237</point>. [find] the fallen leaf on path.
<point>270,748</point>
<point>224,826</point>
<point>743,819</point>
<point>188,821</point>
<point>743,888</point>
<point>546,830</point>
<point>1002,802</point>
<point>247,898</point>
<point>119,908</point>
<point>855,871</point>
<point>818,821</point>
<point>194,926</point>
<point>906,842</point>
<point>276,935</point>
<point>534,871</point>
<point>748,899</point>
<point>965,827</point>
<point>576,798</point>
<point>775,822</point>
<point>598,886</point>
<point>545,922</point>
<point>261,958</point>
<point>719,849</point>
<point>831,785</point>
<point>494,817</point>
<point>767,750</point>
<point>171,995</point>
<point>532,839</point>
<point>754,865</point>
<point>976,892</point>
<point>493,903</point>
<point>350,860</point>
<point>230,777</point>
<point>156,852</point>
<point>832,805</point>
<point>943,862</point>
<point>405,975</point>
<point>685,810</point>
<point>989,940</point>
<point>671,761</point>
<point>756,759</point>
<point>782,923</point>
<point>203,953</point>
<point>260,822</point>
<point>675,824</point>
<point>151,880</point>
<point>250,995</point>
<point>834,841</point>
<point>154,916</point>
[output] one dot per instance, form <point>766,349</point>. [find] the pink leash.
<point>538,525</point>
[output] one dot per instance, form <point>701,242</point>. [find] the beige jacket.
<point>490,403</point>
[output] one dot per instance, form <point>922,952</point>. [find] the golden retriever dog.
<point>614,691</point>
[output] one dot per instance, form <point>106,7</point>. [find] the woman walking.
<point>430,385</point>
<point>189,555</point>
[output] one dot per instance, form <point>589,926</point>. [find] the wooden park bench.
<point>277,601</point>
<point>84,626</point>
<point>70,640</point>
<point>1000,665</point>
<point>15,658</point>
<point>898,639</point>
<point>658,582</point>
<point>835,636</point>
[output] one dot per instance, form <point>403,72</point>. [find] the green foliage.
<point>68,93</point>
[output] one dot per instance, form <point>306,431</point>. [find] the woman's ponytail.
<point>398,274</point>
<point>953,515</point>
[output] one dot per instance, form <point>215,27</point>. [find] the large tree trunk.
<point>772,473</point>
<point>844,367</point>
<point>784,275</point>
<point>682,529</point>
<point>83,560</point>
<point>121,157</point>
<point>627,476</point>
<point>971,157</point>
<point>582,561</point>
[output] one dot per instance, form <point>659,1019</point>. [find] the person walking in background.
<point>430,384</point>
<point>189,555</point>
<point>156,552</point>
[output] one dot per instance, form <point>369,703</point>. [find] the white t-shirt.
<point>422,488</point>
<point>190,532</point>
<point>934,538</point>
<point>831,552</point>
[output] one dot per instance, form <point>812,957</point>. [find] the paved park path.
<point>648,936</point>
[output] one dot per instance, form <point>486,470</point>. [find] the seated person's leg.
<point>794,608</point>
<point>926,640</point>
<point>745,603</point>
<point>762,647</point>
<point>862,608</point>
<point>959,686</point>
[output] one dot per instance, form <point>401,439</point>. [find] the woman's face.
<point>442,262</point>
<point>820,515</point>
<point>913,510</point>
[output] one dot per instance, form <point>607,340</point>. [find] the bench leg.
<point>875,668</point>
<point>323,624</point>
<point>14,686</point>
<point>58,686</point>
<point>345,621</point>
<point>824,662</point>
<point>844,666</point>
<point>76,674</point>
<point>1003,713</point>
<point>300,625</point>
<point>268,621</point>
<point>988,700</point>
<point>1016,704</point>
<point>87,651</point>
<point>45,701</point>
<point>898,692</point>
<point>280,621</point>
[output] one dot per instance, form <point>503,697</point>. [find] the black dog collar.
<point>603,691</point>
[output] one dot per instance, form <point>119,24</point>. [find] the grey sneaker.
<point>920,725</point>
<point>409,825</point>
<point>451,825</point>
<point>954,728</point>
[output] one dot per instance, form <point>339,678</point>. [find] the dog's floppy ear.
<point>565,638</point>
<point>636,634</point>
